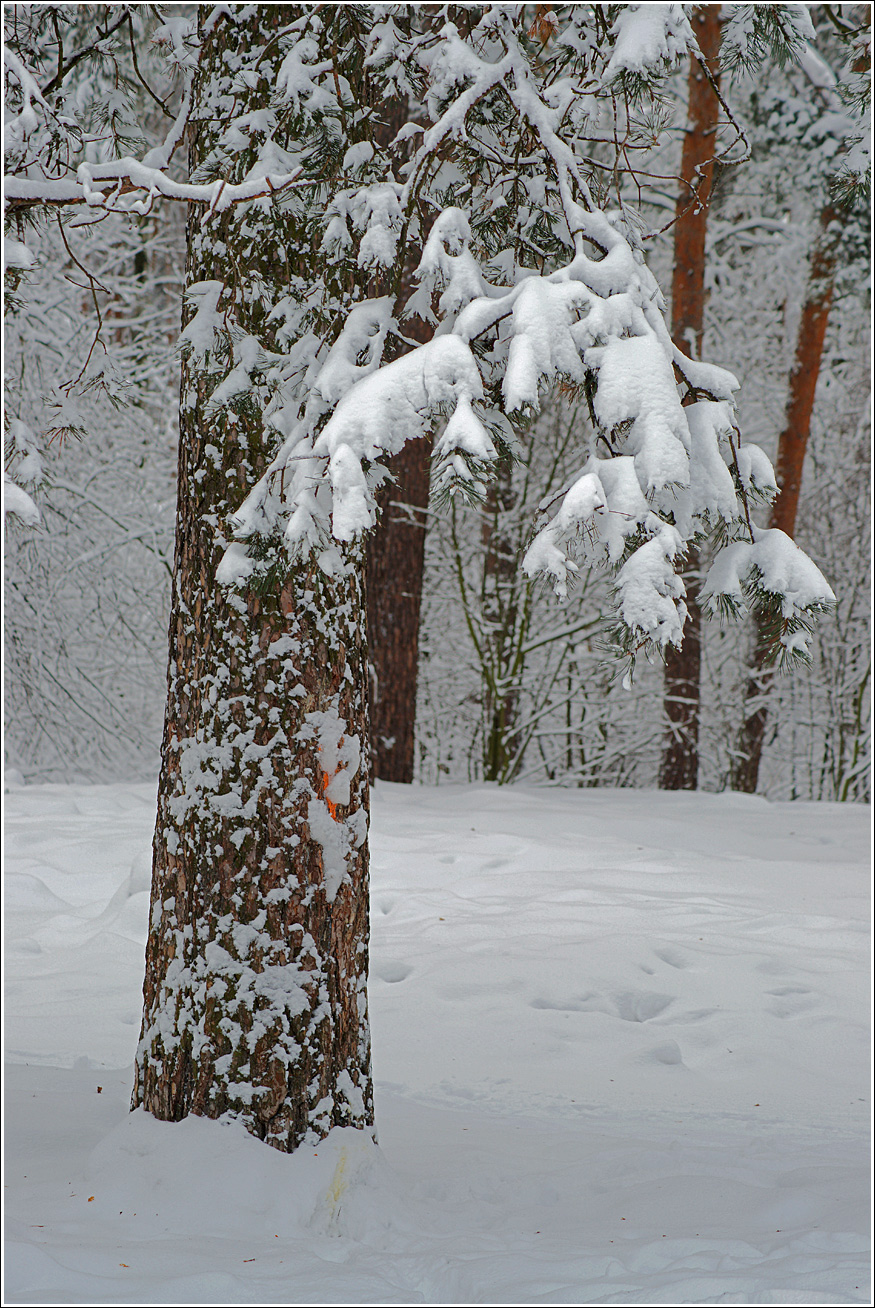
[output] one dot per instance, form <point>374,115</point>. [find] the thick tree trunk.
<point>792,445</point>
<point>255,1000</point>
<point>679,769</point>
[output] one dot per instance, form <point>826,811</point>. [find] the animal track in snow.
<point>639,1006</point>
<point>392,973</point>
<point>693,1015</point>
<point>668,1053</point>
<point>790,1001</point>
<point>628,1005</point>
<point>674,957</point>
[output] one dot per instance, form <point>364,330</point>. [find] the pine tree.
<point>300,381</point>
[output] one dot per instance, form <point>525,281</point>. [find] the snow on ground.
<point>620,1047</point>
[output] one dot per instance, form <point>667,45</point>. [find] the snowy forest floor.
<point>620,1050</point>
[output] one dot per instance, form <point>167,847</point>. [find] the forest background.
<point>511,686</point>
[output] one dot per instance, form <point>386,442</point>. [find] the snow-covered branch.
<point>662,469</point>
<point>130,186</point>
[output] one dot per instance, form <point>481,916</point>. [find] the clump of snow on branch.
<point>22,474</point>
<point>772,566</point>
<point>17,502</point>
<point>649,37</point>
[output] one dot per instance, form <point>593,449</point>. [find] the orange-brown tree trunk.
<point>679,769</point>
<point>255,1004</point>
<point>792,445</point>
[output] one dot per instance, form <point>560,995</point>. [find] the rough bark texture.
<point>395,561</point>
<point>792,445</point>
<point>503,593</point>
<point>255,1004</point>
<point>679,768</point>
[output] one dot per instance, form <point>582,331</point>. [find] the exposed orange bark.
<point>680,760</point>
<point>803,378</point>
<point>792,445</point>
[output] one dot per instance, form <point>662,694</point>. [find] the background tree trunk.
<point>395,564</point>
<point>679,769</point>
<point>255,1004</point>
<point>792,445</point>
<point>502,597</point>
<point>395,552</point>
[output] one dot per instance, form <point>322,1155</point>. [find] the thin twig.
<point>83,54</point>
<point>66,387</point>
<point>162,106</point>
<point>741,484</point>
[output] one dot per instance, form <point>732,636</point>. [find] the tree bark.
<point>792,445</point>
<point>255,1004</point>
<point>503,590</point>
<point>395,564</point>
<point>679,769</point>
